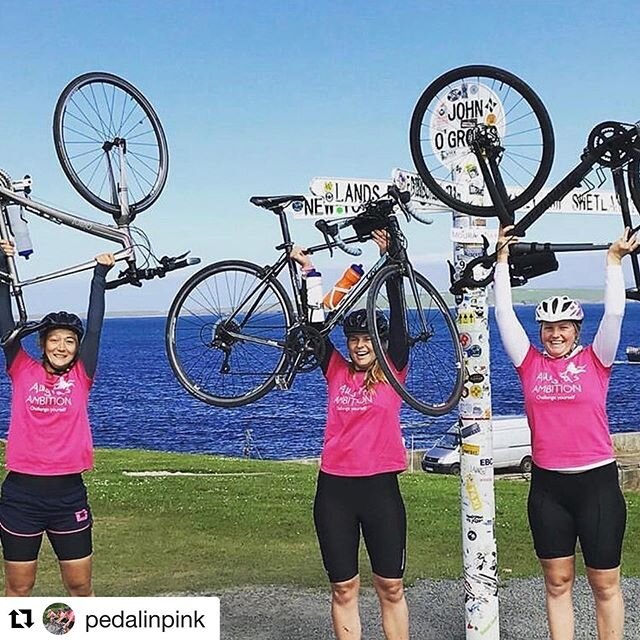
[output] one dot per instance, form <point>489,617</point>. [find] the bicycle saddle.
<point>273,202</point>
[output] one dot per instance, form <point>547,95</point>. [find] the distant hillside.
<point>521,295</point>
<point>524,295</point>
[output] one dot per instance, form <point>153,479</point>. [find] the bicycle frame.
<point>120,235</point>
<point>590,158</point>
<point>300,309</point>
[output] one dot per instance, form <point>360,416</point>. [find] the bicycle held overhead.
<point>234,332</point>
<point>112,148</point>
<point>502,131</point>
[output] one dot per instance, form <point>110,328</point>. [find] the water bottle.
<point>20,231</point>
<point>314,296</point>
<point>340,288</point>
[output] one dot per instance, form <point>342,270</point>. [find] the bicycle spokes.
<point>474,115</point>
<point>108,138</point>
<point>227,333</point>
<point>432,379</point>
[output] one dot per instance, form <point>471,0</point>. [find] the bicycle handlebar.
<point>134,276</point>
<point>374,216</point>
<point>331,233</point>
<point>467,280</point>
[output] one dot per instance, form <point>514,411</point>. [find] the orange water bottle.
<point>340,288</point>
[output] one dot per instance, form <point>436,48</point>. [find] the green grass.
<point>251,524</point>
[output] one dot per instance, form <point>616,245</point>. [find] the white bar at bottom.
<point>188,618</point>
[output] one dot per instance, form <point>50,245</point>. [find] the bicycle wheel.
<point>226,333</point>
<point>96,115</point>
<point>434,377</point>
<point>450,107</point>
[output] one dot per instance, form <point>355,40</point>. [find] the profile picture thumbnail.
<point>58,618</point>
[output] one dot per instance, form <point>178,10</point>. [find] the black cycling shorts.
<point>586,506</point>
<point>343,507</point>
<point>32,505</point>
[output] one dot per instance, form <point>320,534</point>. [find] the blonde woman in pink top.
<point>362,455</point>
<point>574,492</point>
<point>49,443</point>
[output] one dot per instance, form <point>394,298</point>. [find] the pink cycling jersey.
<point>362,436</point>
<point>49,431</point>
<point>565,402</point>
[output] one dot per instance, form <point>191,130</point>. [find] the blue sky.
<point>260,97</point>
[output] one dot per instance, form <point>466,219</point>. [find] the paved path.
<point>285,613</point>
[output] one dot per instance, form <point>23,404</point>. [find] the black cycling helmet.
<point>356,322</point>
<point>61,320</point>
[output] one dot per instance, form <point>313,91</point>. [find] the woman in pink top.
<point>49,443</point>
<point>362,455</point>
<point>574,493</point>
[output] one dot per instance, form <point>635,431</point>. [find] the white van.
<point>511,447</point>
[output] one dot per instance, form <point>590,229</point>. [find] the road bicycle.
<point>234,332</point>
<point>112,148</point>
<point>477,126</point>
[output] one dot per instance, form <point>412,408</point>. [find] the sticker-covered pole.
<point>476,458</point>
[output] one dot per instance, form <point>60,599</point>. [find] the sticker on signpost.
<point>467,105</point>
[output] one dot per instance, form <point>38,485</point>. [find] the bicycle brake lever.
<point>418,216</point>
<point>165,260</point>
<point>323,227</point>
<point>402,199</point>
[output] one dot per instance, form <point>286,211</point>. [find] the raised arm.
<point>95,314</point>
<point>398,343</point>
<point>607,338</point>
<point>514,338</point>
<point>6,316</point>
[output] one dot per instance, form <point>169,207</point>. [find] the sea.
<point>136,402</point>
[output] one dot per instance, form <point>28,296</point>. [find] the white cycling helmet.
<point>558,308</point>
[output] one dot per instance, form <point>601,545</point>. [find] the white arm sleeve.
<point>514,338</point>
<point>605,343</point>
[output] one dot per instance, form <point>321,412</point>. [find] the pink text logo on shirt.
<point>349,399</point>
<point>548,387</point>
<point>56,398</point>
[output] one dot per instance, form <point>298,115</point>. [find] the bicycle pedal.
<point>282,383</point>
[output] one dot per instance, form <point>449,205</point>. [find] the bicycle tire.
<point>435,375</point>
<point>533,132</point>
<point>81,132</point>
<point>206,306</point>
<point>633,178</point>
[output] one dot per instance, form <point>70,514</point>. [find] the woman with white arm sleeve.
<point>574,493</point>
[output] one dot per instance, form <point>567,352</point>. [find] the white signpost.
<point>463,108</point>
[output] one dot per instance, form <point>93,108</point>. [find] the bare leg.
<point>344,609</point>
<point>605,584</point>
<point>76,576</point>
<point>559,576</point>
<point>393,605</point>
<point>19,578</point>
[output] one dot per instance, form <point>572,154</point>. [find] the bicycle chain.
<point>309,342</point>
